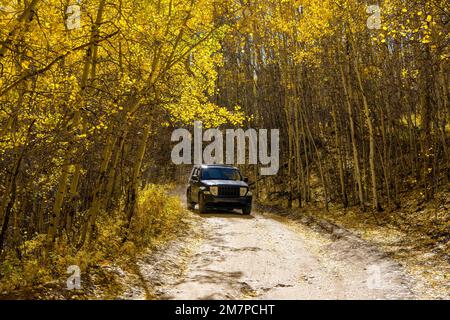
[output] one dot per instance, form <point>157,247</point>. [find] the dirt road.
<point>230,256</point>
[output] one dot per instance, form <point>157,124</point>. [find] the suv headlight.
<point>243,191</point>
<point>214,191</point>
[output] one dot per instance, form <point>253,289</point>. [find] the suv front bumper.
<point>237,203</point>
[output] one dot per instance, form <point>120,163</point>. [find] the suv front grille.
<point>229,192</point>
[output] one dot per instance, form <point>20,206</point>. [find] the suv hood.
<point>224,183</point>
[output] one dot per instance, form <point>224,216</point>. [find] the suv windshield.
<point>221,174</point>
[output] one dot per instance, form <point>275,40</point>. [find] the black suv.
<point>218,186</point>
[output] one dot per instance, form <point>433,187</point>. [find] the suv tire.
<point>190,205</point>
<point>201,203</point>
<point>247,211</point>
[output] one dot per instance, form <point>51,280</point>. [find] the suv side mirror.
<point>195,179</point>
<point>245,179</point>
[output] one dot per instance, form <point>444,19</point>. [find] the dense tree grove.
<point>90,91</point>
<point>83,88</point>
<point>363,107</point>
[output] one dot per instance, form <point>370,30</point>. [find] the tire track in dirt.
<point>231,256</point>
